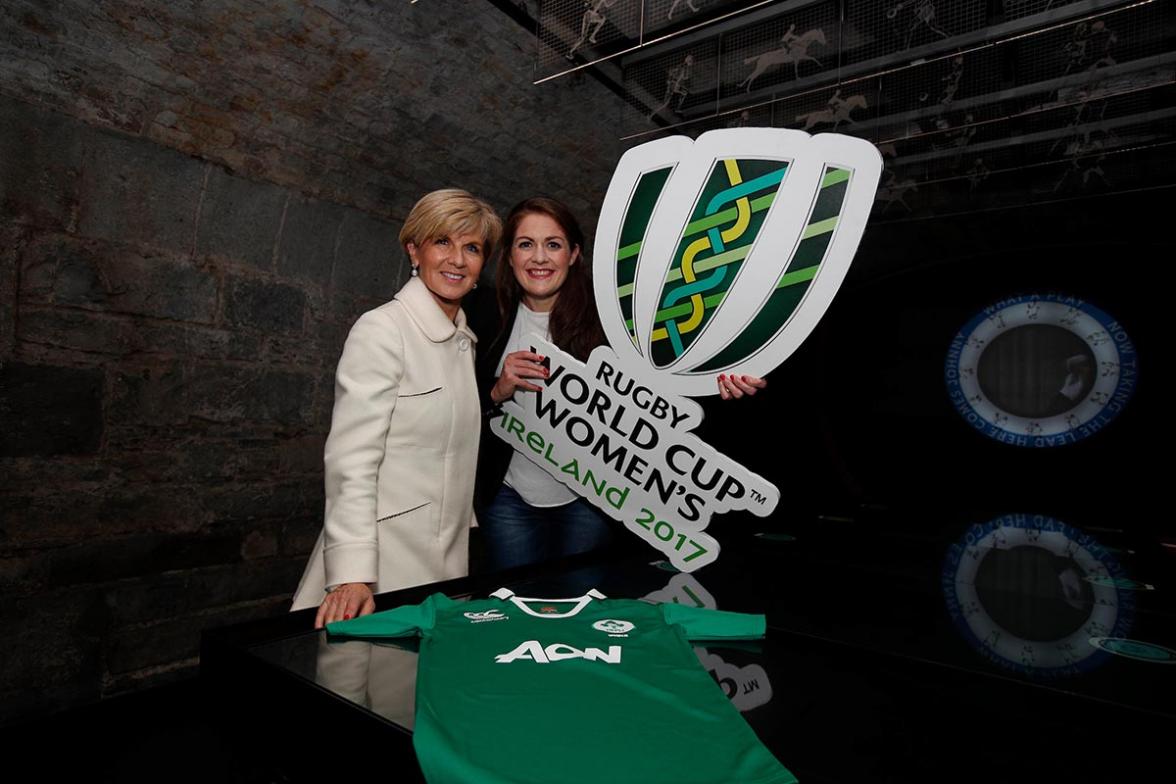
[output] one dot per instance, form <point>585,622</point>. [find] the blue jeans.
<point>517,533</point>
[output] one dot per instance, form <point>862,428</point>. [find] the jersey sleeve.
<point>410,620</point>
<point>701,623</point>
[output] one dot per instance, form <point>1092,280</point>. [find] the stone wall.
<point>196,201</point>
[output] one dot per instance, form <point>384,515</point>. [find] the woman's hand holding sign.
<point>516,369</point>
<point>738,386</point>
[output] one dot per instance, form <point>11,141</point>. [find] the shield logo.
<point>721,254</point>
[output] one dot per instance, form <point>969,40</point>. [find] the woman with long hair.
<point>543,286</point>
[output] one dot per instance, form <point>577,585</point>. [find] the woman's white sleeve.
<point>367,382</point>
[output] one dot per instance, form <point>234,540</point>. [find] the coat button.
<point>463,344</point>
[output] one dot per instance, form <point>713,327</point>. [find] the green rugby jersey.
<point>563,691</point>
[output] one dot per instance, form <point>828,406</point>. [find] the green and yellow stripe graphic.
<point>790,289</point>
<point>637,216</point>
<point>726,219</point>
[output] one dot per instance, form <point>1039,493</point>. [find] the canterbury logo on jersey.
<point>488,615</point>
<point>533,650</point>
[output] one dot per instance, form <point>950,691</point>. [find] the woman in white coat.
<point>401,455</point>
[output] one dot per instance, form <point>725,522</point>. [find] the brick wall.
<point>196,201</point>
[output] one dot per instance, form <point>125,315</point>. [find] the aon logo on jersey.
<point>533,650</point>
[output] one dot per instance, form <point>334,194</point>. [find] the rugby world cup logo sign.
<point>715,255</point>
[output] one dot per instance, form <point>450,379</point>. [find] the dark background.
<point>197,199</point>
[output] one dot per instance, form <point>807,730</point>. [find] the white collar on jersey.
<point>520,602</point>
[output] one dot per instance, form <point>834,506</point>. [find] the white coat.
<point>402,452</point>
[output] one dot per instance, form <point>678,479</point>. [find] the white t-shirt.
<point>536,486</point>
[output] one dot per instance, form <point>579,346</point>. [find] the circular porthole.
<point>1020,590</point>
<point>1040,371</point>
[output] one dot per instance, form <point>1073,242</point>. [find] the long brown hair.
<point>575,324</point>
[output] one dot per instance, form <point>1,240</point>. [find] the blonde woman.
<point>402,450</point>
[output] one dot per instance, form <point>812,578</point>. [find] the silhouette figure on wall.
<point>951,84</point>
<point>1089,48</point>
<point>677,81</point>
<point>591,23</point>
<point>893,191</point>
<point>977,174</point>
<point>836,111</point>
<point>674,7</point>
<point>793,49</point>
<point>742,121</point>
<point>1085,164</point>
<point>922,15</point>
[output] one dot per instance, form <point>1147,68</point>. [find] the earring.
<point>475,285</point>
<point>415,271</point>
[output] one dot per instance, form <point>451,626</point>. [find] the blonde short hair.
<point>451,211</point>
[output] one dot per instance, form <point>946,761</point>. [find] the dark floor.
<point>878,668</point>
<point>162,734</point>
